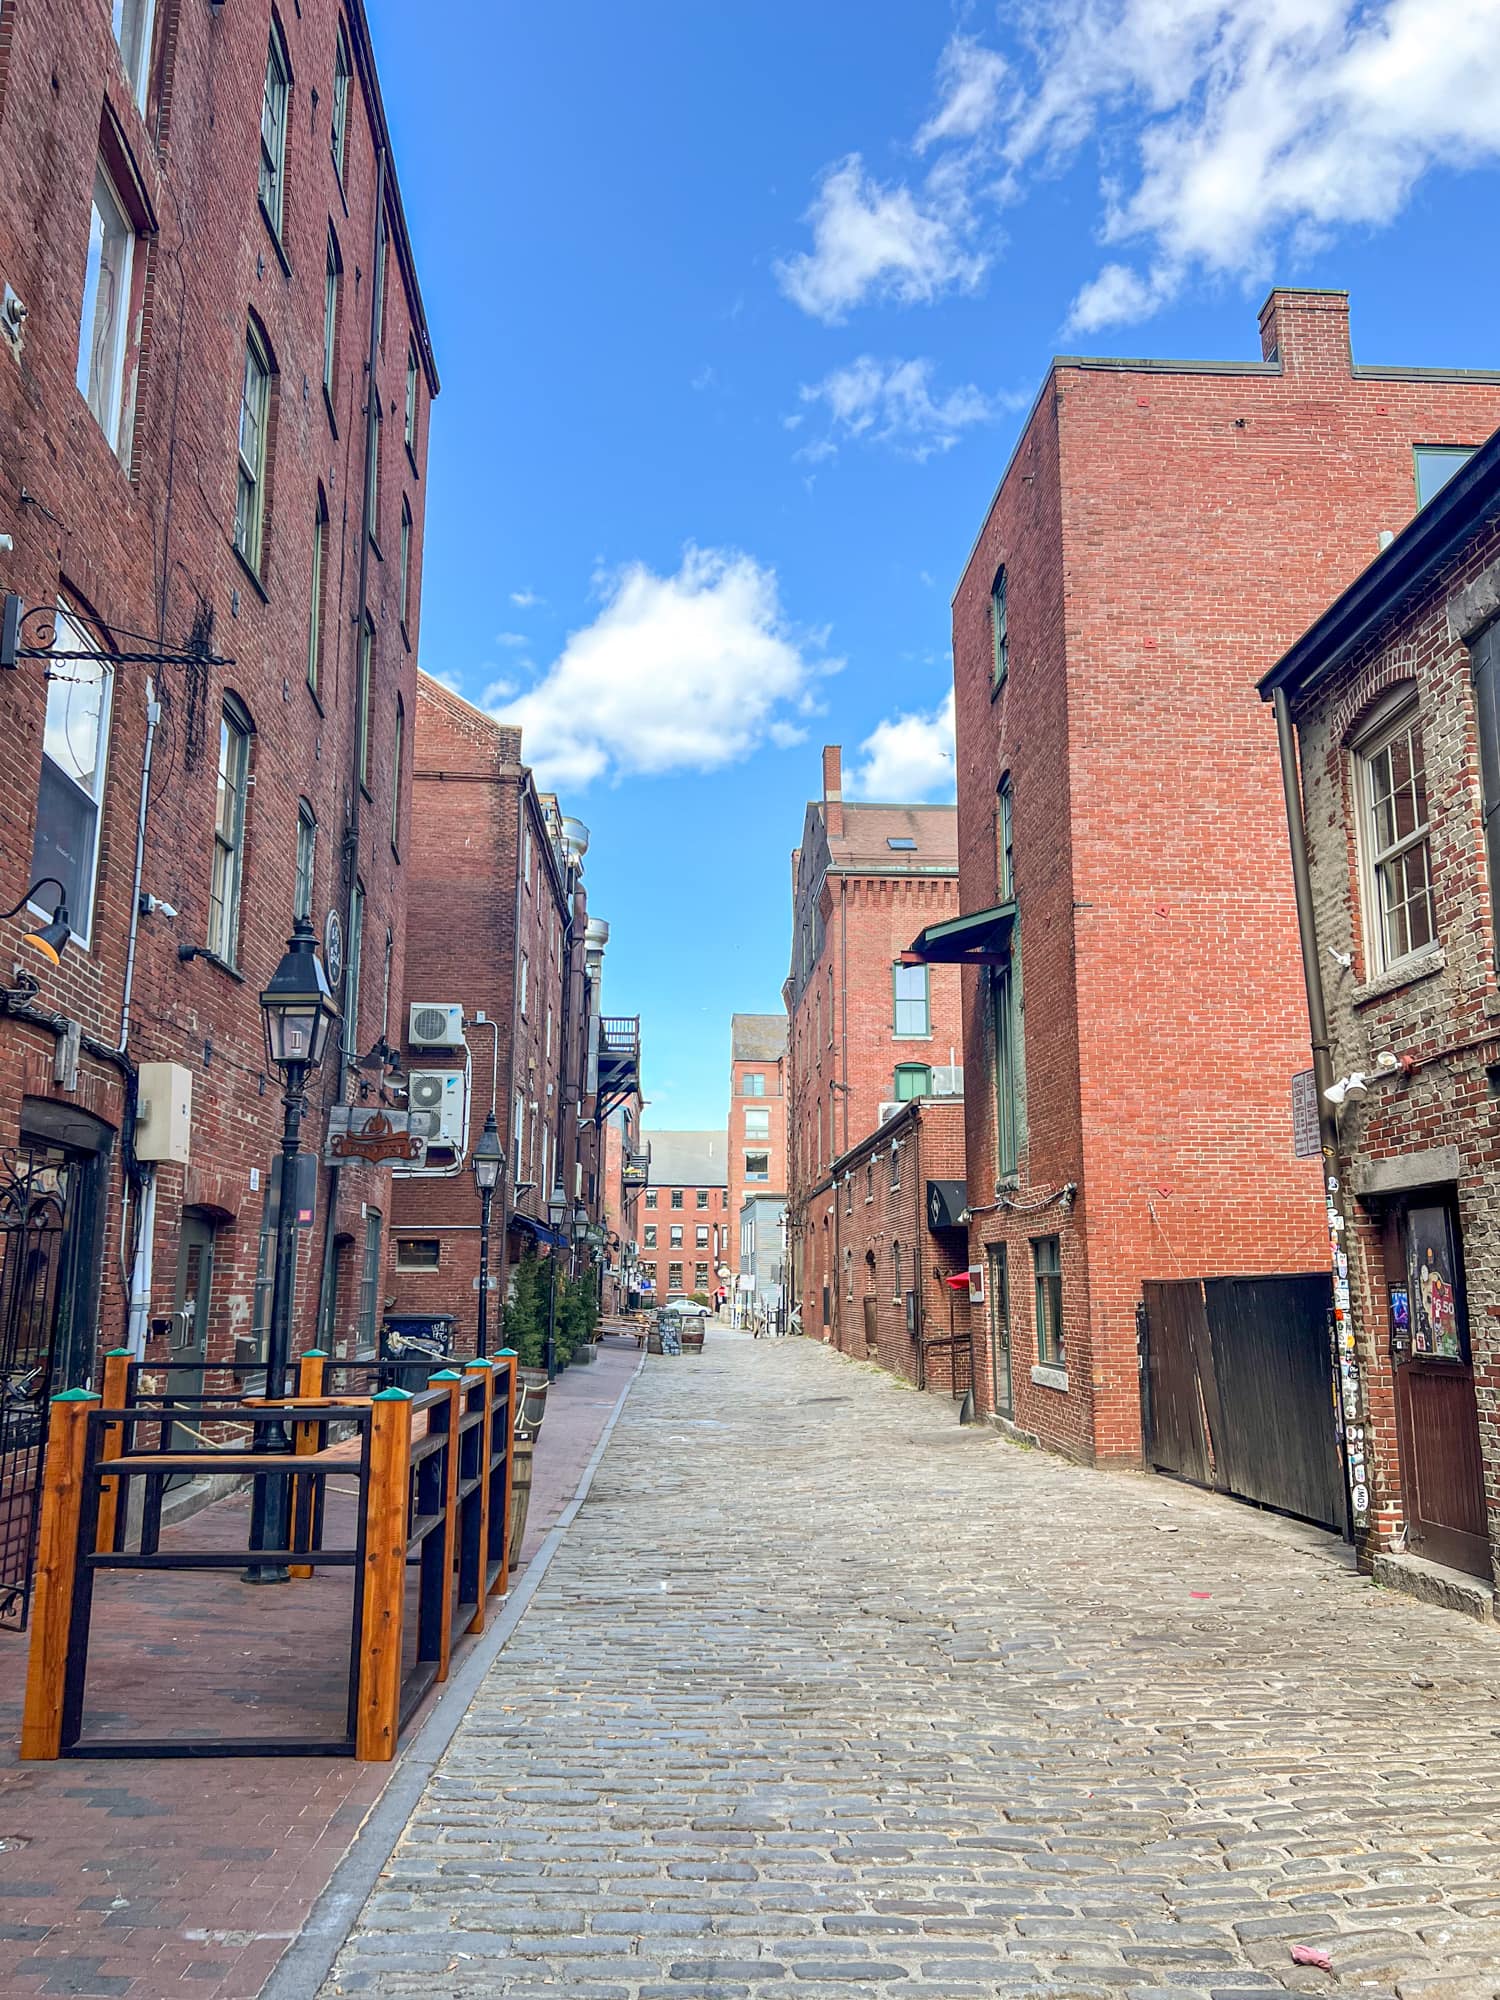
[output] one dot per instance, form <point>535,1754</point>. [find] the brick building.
<point>756,1152</point>
<point>503,995</point>
<point>890,1235</point>
<point>866,1029</point>
<point>626,1167</point>
<point>204,262</point>
<point>686,1231</point>
<point>1133,1007</point>
<point>1393,692</point>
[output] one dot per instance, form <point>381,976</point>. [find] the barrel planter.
<point>520,1494</point>
<point>531,1401</point>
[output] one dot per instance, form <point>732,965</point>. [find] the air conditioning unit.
<point>888,1112</point>
<point>440,1094</point>
<point>436,1027</point>
<point>948,1080</point>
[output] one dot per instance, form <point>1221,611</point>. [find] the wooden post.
<point>56,1567</point>
<point>116,1379</point>
<point>378,1720</point>
<point>305,1441</point>
<point>453,1382</point>
<point>508,1354</point>
<point>486,1368</point>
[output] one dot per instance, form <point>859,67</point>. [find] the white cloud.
<point>882,242</point>
<point>908,757</point>
<point>526,598</point>
<point>1118,293</point>
<point>969,76</point>
<point>684,672</point>
<point>510,639</point>
<point>891,402</point>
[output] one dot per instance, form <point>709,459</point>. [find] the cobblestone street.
<point>825,1696</point>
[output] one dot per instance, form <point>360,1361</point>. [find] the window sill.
<point>411,458</point>
<point>405,635</point>
<point>276,243</point>
<point>1050,1378</point>
<point>333,422</point>
<point>201,951</point>
<point>313,694</point>
<point>997,688</point>
<point>245,564</point>
<point>1407,973</point>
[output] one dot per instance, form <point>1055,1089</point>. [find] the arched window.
<point>999,633</point>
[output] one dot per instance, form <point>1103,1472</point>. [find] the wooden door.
<point>1437,1415</point>
<point>1001,1392</point>
<point>872,1329</point>
<point>188,1334</point>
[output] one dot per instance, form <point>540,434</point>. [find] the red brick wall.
<point>1167,531</point>
<point>145,547</point>
<point>723,1237</point>
<point>774,1104</point>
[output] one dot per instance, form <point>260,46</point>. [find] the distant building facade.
<point>756,1147</point>
<point>685,1226</point>
<point>867,1029</point>
<point>760,1279</point>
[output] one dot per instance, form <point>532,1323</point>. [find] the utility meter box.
<point>164,1113</point>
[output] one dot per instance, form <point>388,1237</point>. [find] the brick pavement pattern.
<point>825,1697</point>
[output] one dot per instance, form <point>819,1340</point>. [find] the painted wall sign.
<point>1307,1139</point>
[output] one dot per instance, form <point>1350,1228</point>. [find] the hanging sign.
<point>1307,1138</point>
<point>374,1135</point>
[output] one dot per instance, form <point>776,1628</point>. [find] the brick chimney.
<point>833,789</point>
<point>1308,333</point>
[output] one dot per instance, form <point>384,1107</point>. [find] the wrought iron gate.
<point>33,1212</point>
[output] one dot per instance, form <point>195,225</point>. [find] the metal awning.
<point>981,939</point>
<point>529,1226</point>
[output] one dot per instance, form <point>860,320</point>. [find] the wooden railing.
<point>432,1475</point>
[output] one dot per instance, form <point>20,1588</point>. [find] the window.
<point>700,1277</point>
<point>757,1166</point>
<point>651,1197</point>
<point>677,1197</point>
<point>1485,658</point>
<point>702,1197</point>
<point>674,1277</point>
<point>133,23</point>
<point>752,1084</point>
<point>273,110</point>
<point>1435,465</point>
<point>869,1180</point>
<point>315,598</point>
<point>1047,1262</point>
<point>1398,880</point>
<point>912,1080</point>
<point>250,501</point>
<point>372,472</point>
<point>382,252</point>
<point>675,1241</point>
<point>74,743</point>
<point>369,1283</point>
<point>912,1014</point>
<point>757,1124</point>
<point>1005,870</point>
<point>353,954</point>
<point>229,834</point>
<point>307,851</point>
<point>901,843</point>
<point>895,1163</point>
<point>418,1253</point>
<point>849,1273</point>
<point>333,279</point>
<point>525,979</point>
<point>1002,1002</point>
<point>896,1270</point>
<point>650,1235</point>
<point>397,749</point>
<point>830,1006</point>
<point>338,128</point>
<point>409,418</point>
<point>518,1134</point>
<point>405,562</point>
<point>701,1236</point>
<point>366,647</point>
<point>999,629</point>
<point>104,328</point>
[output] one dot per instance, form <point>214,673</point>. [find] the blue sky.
<point>737,309</point>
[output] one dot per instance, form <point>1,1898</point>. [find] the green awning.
<point>981,939</point>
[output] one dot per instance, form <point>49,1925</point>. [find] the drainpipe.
<point>139,1297</point>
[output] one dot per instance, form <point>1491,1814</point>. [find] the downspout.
<point>138,1308</point>
<point>508,1178</point>
<point>844,1004</point>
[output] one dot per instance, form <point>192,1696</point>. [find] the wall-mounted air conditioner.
<point>440,1094</point>
<point>436,1026</point>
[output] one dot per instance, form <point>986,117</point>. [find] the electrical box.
<point>164,1113</point>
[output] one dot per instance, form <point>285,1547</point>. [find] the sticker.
<point>1361,1498</point>
<point>1341,1265</point>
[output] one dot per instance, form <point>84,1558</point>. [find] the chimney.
<point>833,789</point>
<point>1308,333</point>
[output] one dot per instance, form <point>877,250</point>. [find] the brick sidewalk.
<point>148,1879</point>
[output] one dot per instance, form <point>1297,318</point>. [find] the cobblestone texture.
<point>825,1697</point>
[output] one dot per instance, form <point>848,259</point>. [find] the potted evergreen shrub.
<point>526,1332</point>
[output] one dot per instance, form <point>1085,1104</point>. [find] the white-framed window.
<point>134,22</point>
<point>518,1137</point>
<point>676,1236</point>
<point>650,1235</point>
<point>315,600</point>
<point>700,1236</point>
<point>1399,917</point>
<point>307,856</point>
<point>104,329</point>
<point>333,281</point>
<point>250,501</point>
<point>757,1124</point>
<point>1435,464</point>
<point>753,1084</point>
<point>525,979</point>
<point>70,797</point>
<point>757,1166</point>
<point>273,116</point>
<point>397,748</point>
<point>229,833</point>
<point>338,127</point>
<point>913,1015</point>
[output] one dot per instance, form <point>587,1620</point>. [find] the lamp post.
<point>557,1215</point>
<point>489,1169</point>
<point>299,1015</point>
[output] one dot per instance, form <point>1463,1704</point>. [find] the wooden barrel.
<point>520,1495</point>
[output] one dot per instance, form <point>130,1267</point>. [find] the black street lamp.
<point>299,1014</point>
<point>488,1163</point>
<point>557,1215</point>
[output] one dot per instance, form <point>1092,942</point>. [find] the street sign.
<point>369,1132</point>
<point>1307,1138</point>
